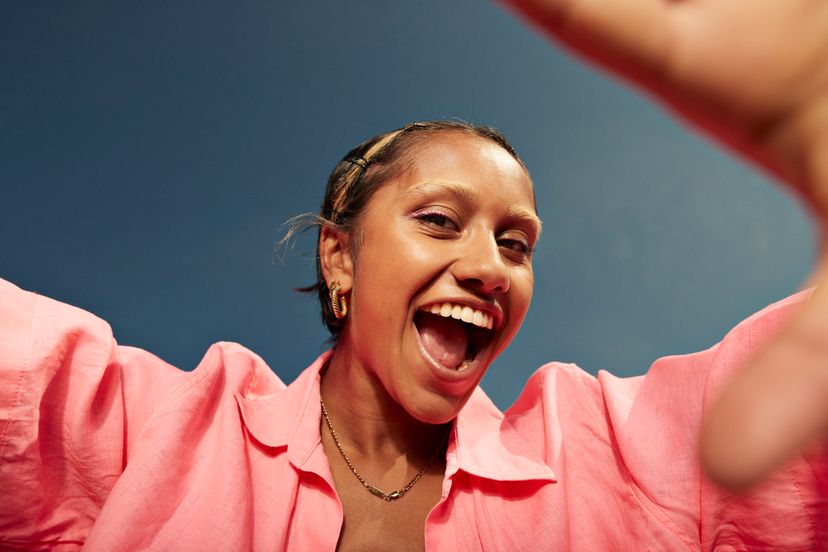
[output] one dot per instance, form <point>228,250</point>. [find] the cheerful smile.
<point>452,336</point>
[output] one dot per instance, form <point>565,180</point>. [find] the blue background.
<point>150,152</point>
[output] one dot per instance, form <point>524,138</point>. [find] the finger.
<point>776,405</point>
<point>627,36</point>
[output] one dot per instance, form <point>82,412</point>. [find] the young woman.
<point>424,276</point>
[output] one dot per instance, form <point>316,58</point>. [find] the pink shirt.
<point>109,448</point>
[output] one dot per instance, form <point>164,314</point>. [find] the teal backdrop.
<point>150,151</point>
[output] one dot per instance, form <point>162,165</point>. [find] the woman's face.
<point>451,236</point>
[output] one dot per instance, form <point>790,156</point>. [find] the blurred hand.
<point>754,75</point>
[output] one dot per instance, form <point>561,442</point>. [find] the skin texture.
<point>458,225</point>
<point>753,74</point>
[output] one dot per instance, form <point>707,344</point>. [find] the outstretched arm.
<point>754,75</point>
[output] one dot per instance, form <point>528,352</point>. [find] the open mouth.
<point>453,335</point>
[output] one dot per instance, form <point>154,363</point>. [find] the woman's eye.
<point>437,219</point>
<point>518,246</point>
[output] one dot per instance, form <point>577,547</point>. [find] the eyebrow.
<point>463,190</point>
<point>528,217</point>
<point>471,194</point>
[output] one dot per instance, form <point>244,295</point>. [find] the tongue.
<point>445,339</point>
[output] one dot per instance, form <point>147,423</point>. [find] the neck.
<point>366,417</point>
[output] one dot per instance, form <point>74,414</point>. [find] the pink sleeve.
<point>634,441</point>
<point>790,509</point>
<point>64,433</point>
<point>657,425</point>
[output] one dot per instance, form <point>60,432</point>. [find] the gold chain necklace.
<point>388,497</point>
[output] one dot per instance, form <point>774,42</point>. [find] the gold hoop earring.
<point>338,303</point>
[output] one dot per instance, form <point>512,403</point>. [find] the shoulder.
<point>635,440</point>
<point>652,421</point>
<point>36,328</point>
<point>156,392</point>
<point>50,349</point>
<point>556,389</point>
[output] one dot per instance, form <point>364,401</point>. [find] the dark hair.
<point>362,172</point>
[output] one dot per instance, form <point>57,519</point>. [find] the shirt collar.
<point>482,442</point>
<point>485,445</point>
<point>279,416</point>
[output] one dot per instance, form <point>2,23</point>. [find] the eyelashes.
<point>446,225</point>
<point>517,245</point>
<point>437,219</point>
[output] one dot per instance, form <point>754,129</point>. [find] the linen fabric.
<point>106,447</point>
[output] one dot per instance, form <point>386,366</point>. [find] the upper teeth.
<point>464,313</point>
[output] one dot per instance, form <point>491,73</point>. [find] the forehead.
<point>477,164</point>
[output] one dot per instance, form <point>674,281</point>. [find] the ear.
<point>335,257</point>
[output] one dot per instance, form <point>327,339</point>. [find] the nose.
<point>480,266</point>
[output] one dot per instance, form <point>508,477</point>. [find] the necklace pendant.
<point>388,497</point>
<point>377,492</point>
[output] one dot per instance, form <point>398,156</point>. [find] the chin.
<point>437,409</point>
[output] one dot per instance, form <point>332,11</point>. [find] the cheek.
<point>378,285</point>
<point>521,299</point>
<point>523,286</point>
<point>531,289</point>
<point>396,260</point>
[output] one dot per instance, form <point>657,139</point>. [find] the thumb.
<point>776,405</point>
